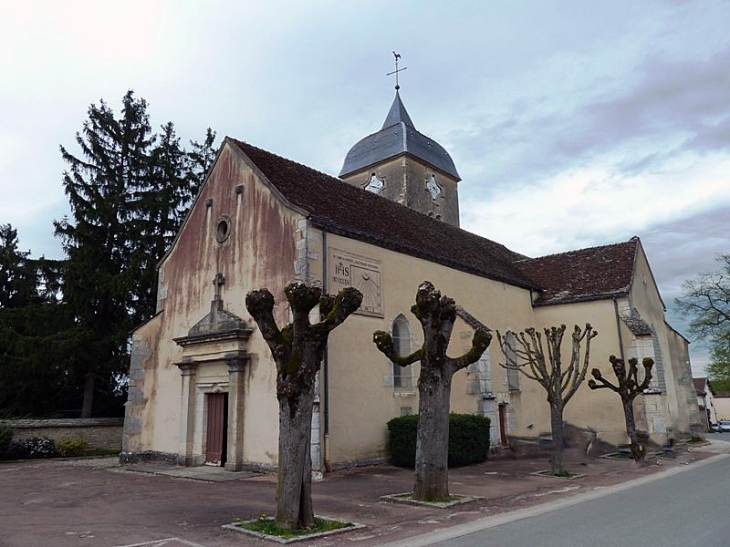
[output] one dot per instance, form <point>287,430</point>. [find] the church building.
<point>202,385</point>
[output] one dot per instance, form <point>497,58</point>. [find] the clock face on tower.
<point>433,187</point>
<point>374,185</point>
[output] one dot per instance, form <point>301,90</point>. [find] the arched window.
<point>513,375</point>
<point>402,376</point>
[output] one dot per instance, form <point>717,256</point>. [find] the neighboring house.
<point>704,401</point>
<point>202,380</point>
<point>720,403</point>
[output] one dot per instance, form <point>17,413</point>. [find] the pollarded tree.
<point>525,352</point>
<point>628,387</point>
<point>298,349</point>
<point>437,315</point>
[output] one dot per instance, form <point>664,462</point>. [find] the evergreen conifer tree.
<point>99,238</point>
<point>34,369</point>
<point>129,191</point>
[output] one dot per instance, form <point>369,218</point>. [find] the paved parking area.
<point>96,502</point>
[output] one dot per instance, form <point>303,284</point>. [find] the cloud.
<point>596,204</point>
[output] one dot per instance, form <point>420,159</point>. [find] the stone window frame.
<point>512,376</point>
<point>401,379</point>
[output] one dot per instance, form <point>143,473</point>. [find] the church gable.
<point>234,216</point>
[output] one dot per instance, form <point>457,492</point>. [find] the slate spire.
<point>397,114</point>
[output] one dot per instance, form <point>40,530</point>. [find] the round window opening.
<point>223,229</point>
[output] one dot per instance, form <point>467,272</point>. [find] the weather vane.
<point>397,70</point>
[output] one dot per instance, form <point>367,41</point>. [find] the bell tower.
<point>404,165</point>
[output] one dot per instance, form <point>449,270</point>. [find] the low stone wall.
<point>100,433</point>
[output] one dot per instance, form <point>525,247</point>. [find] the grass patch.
<point>408,499</point>
<point>267,526</point>
<point>563,475</point>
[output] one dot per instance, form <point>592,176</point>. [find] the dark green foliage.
<point>402,440</point>
<point>64,325</point>
<point>6,438</point>
<point>100,236</point>
<point>34,363</point>
<point>18,274</point>
<point>468,439</point>
<point>129,190</point>
<point>706,301</point>
<point>718,371</point>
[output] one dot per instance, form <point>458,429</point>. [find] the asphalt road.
<point>684,510</point>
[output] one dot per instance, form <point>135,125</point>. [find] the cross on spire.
<point>397,70</point>
<point>219,281</point>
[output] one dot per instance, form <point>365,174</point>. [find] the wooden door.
<point>217,428</point>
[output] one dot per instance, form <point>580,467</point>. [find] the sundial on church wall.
<point>346,269</point>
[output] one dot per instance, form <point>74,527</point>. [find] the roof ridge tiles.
<point>633,239</point>
<point>363,215</point>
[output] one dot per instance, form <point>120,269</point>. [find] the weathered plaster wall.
<point>599,410</point>
<point>645,297</point>
<point>361,395</point>
<point>258,251</point>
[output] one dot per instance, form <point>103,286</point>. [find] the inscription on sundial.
<point>351,270</point>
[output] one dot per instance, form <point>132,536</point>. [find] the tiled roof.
<point>587,274</point>
<point>700,385</point>
<point>338,207</point>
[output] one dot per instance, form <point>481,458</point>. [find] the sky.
<point>572,123</point>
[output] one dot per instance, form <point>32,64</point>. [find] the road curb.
<point>490,522</point>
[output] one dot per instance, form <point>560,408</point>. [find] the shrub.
<point>34,447</point>
<point>468,439</point>
<point>402,440</point>
<point>75,446</point>
<point>6,438</point>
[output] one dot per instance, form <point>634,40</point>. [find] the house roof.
<point>398,136</point>
<point>338,207</point>
<point>595,273</point>
<point>700,385</point>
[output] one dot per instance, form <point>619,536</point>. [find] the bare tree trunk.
<point>437,315</point>
<point>559,380</point>
<point>432,445</point>
<point>628,387</point>
<point>557,466</point>
<point>87,407</point>
<point>298,349</point>
<point>294,493</point>
<point>638,451</point>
